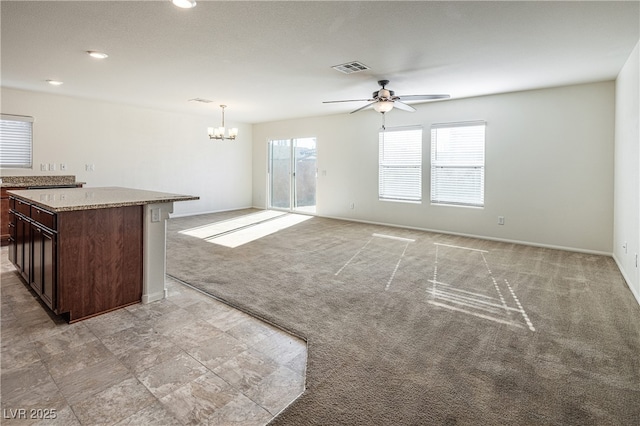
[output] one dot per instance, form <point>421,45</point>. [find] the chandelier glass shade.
<point>218,133</point>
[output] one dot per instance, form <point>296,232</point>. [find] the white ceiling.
<point>272,60</point>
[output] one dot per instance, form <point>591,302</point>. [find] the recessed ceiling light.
<point>54,82</point>
<point>184,4</point>
<point>97,55</point>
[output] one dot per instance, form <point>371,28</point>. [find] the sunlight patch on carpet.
<point>244,229</point>
<point>218,228</point>
<point>380,258</point>
<point>257,231</point>
<point>482,297</point>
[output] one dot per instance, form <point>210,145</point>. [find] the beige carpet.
<point>415,328</point>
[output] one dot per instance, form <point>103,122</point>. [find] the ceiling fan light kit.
<point>384,100</point>
<point>383,106</point>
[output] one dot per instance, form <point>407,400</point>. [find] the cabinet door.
<point>43,264</point>
<point>23,246</point>
<point>37,260</point>
<point>4,219</point>
<point>12,237</point>
<point>26,251</point>
<point>18,243</point>
<point>48,268</point>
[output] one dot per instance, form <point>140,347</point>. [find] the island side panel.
<point>100,260</point>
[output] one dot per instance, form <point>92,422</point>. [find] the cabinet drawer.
<point>22,207</point>
<point>43,217</point>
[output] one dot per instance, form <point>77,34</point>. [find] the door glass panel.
<point>305,174</point>
<point>280,176</point>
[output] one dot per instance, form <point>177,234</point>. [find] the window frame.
<point>465,162</point>
<point>388,165</point>
<point>17,140</point>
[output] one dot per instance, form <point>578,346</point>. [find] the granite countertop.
<point>69,199</point>
<point>28,181</point>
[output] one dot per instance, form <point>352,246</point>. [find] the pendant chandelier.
<point>218,133</point>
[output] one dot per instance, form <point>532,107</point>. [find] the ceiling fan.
<point>384,100</point>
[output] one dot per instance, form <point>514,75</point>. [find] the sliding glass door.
<point>280,174</point>
<point>292,174</point>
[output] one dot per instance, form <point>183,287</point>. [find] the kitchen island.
<point>87,251</point>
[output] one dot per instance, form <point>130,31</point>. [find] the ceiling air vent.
<point>351,67</point>
<point>204,101</point>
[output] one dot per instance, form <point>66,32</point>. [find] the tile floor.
<point>188,359</point>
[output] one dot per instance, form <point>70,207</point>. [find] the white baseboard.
<point>627,279</point>
<point>173,215</point>
<point>437,231</point>
<point>480,237</point>
<point>153,297</point>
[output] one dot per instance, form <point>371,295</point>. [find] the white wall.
<point>137,148</point>
<point>627,177</point>
<point>549,166</point>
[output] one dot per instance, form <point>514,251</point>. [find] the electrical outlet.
<point>52,166</point>
<point>155,215</point>
<point>89,167</point>
<point>43,167</point>
<point>500,220</point>
<point>63,167</point>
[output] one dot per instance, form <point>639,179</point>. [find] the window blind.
<point>457,163</point>
<point>400,164</point>
<point>16,141</point>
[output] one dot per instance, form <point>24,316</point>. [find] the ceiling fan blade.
<point>361,108</point>
<point>350,100</point>
<point>403,106</point>
<point>423,97</point>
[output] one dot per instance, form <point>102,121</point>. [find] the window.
<point>400,164</point>
<point>16,138</point>
<point>457,163</point>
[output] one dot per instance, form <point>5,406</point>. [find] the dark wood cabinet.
<point>5,207</point>
<point>5,220</point>
<point>12,237</point>
<point>43,263</point>
<point>23,246</point>
<point>80,263</point>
